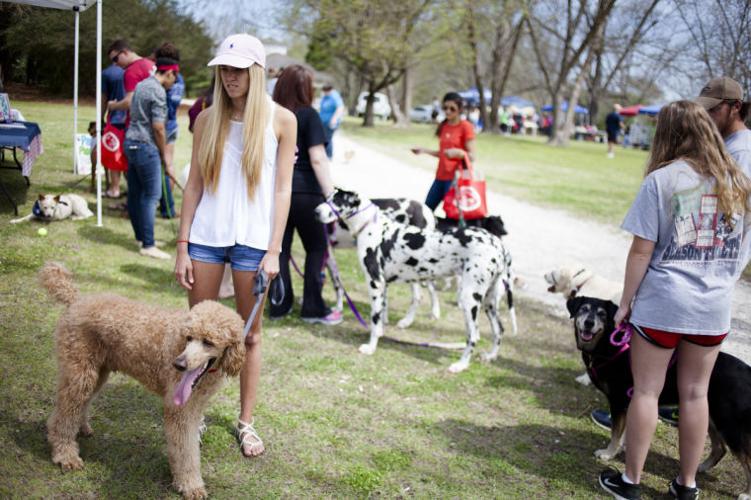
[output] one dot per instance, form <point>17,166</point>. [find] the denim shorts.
<point>172,136</point>
<point>240,257</point>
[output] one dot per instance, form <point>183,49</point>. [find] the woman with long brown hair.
<point>236,200</point>
<point>690,223</point>
<point>311,184</point>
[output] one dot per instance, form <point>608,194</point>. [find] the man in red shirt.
<point>136,68</point>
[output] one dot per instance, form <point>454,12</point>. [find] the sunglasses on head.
<point>116,57</point>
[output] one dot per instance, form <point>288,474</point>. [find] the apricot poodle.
<point>184,356</point>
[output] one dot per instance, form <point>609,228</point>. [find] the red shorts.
<point>670,340</point>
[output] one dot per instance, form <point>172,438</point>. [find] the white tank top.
<point>227,216</point>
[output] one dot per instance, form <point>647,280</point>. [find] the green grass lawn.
<point>337,424</point>
<point>578,178</point>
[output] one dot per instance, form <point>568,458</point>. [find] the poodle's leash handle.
<point>260,286</point>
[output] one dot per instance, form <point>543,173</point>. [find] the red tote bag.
<point>471,202</point>
<point>113,151</point>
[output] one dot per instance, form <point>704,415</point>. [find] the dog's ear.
<point>573,305</point>
<point>57,198</point>
<point>233,357</point>
<point>41,197</point>
<point>612,308</point>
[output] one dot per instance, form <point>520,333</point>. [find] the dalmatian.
<point>402,211</point>
<point>389,252</point>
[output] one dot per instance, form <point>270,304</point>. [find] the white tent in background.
<point>77,6</point>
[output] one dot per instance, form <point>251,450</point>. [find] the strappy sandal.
<point>247,436</point>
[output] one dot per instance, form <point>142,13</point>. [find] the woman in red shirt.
<point>456,136</point>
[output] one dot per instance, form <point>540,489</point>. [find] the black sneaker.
<point>682,492</point>
<point>601,418</point>
<point>612,482</point>
<point>668,415</point>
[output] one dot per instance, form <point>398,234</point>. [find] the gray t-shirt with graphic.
<point>698,256</point>
<point>149,105</point>
<point>739,147</point>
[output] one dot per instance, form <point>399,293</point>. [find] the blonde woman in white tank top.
<point>236,200</point>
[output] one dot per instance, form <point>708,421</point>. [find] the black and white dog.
<point>609,368</point>
<point>412,213</point>
<point>390,251</point>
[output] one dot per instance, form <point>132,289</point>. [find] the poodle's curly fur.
<point>101,333</point>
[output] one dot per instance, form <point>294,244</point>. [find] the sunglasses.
<point>116,57</point>
<point>719,106</point>
<point>450,108</point>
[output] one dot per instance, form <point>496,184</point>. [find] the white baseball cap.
<point>240,51</point>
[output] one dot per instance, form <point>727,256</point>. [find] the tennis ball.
<point>42,231</point>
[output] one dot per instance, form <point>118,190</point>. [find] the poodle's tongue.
<point>185,387</point>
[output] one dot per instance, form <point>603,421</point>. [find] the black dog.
<point>492,224</point>
<point>609,368</point>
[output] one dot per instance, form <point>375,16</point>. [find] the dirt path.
<point>540,239</point>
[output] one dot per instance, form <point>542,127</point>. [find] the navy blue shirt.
<point>613,122</point>
<point>112,87</point>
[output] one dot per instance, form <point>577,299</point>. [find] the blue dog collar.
<point>37,210</point>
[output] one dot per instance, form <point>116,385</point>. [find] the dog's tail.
<point>508,282</point>
<point>59,282</point>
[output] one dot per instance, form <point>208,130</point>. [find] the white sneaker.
<point>157,243</point>
<point>155,253</point>
<point>611,155</point>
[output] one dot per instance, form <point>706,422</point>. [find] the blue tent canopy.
<point>515,100</point>
<point>579,110</point>
<point>472,96</point>
<point>650,110</point>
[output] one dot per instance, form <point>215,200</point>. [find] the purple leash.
<point>329,256</point>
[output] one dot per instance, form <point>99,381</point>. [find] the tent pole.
<point>98,166</point>
<point>75,93</point>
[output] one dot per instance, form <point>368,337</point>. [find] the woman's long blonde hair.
<point>255,119</point>
<point>686,132</point>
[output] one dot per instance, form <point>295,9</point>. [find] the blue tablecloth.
<point>18,134</point>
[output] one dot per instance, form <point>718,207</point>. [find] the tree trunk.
<point>556,137</point>
<point>367,119</point>
<point>407,92</point>
<point>399,118</point>
<point>472,37</point>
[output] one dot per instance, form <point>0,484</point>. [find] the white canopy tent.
<point>77,6</point>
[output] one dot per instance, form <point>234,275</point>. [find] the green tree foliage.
<point>38,43</point>
<point>375,38</point>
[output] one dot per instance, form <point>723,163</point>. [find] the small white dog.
<point>50,207</point>
<point>578,281</point>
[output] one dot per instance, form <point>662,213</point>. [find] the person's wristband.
<point>181,241</point>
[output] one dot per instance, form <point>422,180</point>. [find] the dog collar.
<point>580,271</point>
<point>365,224</point>
<point>37,210</point>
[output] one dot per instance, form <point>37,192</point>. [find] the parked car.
<point>381,107</point>
<point>424,114</point>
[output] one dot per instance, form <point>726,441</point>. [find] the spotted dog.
<point>607,362</point>
<point>413,213</point>
<point>390,251</point>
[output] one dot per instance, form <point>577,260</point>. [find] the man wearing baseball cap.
<point>723,98</point>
